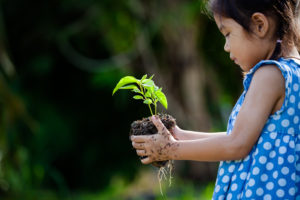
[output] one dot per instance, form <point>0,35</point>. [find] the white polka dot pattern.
<point>272,168</point>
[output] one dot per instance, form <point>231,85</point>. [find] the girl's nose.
<point>226,46</point>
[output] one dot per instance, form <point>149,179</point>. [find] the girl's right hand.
<point>177,133</point>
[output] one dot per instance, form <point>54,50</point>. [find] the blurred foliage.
<point>60,129</point>
<point>119,188</point>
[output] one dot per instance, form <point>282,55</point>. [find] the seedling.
<point>145,90</point>
<point>150,94</point>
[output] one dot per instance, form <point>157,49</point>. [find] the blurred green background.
<point>63,135</point>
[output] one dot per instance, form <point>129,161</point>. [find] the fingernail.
<point>153,117</point>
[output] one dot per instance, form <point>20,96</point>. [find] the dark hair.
<point>285,12</point>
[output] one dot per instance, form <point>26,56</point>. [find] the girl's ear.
<point>260,24</point>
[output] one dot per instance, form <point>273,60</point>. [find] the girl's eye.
<point>227,34</point>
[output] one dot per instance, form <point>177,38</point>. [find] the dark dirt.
<point>146,127</point>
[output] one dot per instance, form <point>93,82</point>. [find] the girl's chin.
<point>244,68</point>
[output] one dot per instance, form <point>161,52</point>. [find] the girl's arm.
<point>181,134</point>
<point>266,90</point>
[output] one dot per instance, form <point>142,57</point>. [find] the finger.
<point>159,125</point>
<point>141,152</point>
<point>174,132</point>
<point>138,145</point>
<point>139,138</point>
<point>147,160</point>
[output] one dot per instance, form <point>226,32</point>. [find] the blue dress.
<point>272,168</point>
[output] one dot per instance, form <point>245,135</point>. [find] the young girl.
<point>260,151</point>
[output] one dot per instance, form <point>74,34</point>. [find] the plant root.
<point>165,173</point>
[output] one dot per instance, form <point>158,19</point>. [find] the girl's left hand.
<point>157,147</point>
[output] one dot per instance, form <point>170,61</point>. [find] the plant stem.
<point>143,93</point>
<point>150,109</point>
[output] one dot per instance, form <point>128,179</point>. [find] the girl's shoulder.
<point>282,63</point>
<point>267,81</point>
<point>282,67</point>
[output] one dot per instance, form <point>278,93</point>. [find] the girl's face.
<point>245,49</point>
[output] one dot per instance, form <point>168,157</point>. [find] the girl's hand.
<point>157,147</point>
<point>177,133</point>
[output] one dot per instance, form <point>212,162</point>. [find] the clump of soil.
<point>146,127</point>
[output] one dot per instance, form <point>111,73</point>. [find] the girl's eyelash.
<point>227,34</point>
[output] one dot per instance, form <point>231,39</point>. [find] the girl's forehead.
<point>222,21</point>
<point>218,19</point>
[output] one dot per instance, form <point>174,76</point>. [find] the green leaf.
<point>148,101</point>
<point>162,98</point>
<point>129,87</point>
<point>144,77</point>
<point>149,85</point>
<point>149,88</point>
<point>151,77</point>
<point>138,97</point>
<point>157,89</point>
<point>136,90</point>
<point>124,81</point>
<point>145,88</point>
<point>148,94</point>
<point>148,82</point>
